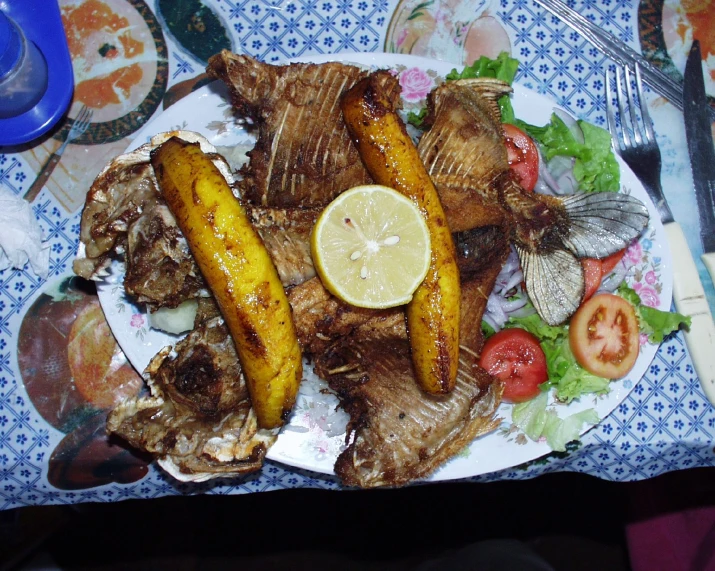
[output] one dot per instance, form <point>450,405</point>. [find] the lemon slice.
<point>371,247</point>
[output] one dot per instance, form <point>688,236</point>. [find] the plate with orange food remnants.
<point>500,312</point>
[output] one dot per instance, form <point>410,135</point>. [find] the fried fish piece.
<point>125,215</point>
<point>285,232</point>
<point>198,421</point>
<point>464,153</point>
<point>398,433</point>
<point>303,154</point>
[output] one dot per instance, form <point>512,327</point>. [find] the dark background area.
<point>573,521</point>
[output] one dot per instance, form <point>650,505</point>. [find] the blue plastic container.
<point>23,70</point>
<point>41,24</point>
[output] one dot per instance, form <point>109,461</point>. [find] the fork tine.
<point>85,115</point>
<point>632,108</point>
<point>82,115</point>
<point>645,116</point>
<point>87,120</point>
<point>610,116</point>
<point>622,109</point>
<point>80,124</point>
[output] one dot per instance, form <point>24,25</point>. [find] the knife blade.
<point>688,292</point>
<point>700,147</point>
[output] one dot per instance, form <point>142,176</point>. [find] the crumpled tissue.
<point>21,236</point>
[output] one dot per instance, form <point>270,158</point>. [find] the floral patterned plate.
<point>315,434</point>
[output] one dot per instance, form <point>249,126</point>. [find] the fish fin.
<point>601,223</point>
<point>554,282</point>
<point>489,89</point>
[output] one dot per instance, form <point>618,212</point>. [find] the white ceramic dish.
<point>313,438</point>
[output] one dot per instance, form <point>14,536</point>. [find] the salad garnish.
<point>573,155</point>
<point>654,323</point>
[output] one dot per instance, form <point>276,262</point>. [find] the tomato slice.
<point>592,274</point>
<point>515,357</point>
<point>603,335</point>
<point>523,155</point>
<point>609,263</point>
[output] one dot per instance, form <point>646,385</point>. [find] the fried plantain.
<point>240,274</point>
<point>391,158</point>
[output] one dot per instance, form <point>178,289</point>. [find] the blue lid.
<point>10,45</point>
<point>41,24</point>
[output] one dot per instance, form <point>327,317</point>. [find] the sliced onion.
<point>542,188</point>
<point>494,308</point>
<point>567,183</point>
<point>511,263</point>
<point>511,306</point>
<point>546,183</point>
<point>611,282</point>
<point>515,280</point>
<point>486,317</point>
<point>524,311</point>
<point>503,302</point>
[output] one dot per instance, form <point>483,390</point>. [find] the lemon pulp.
<point>371,247</point>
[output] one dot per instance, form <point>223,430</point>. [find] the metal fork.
<point>635,141</point>
<point>80,125</point>
<point>639,150</point>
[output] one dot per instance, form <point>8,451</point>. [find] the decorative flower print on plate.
<point>415,83</point>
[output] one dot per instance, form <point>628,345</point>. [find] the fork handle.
<point>689,297</point>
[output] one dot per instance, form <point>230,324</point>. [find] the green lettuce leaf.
<point>417,119</point>
<point>537,326</point>
<point>530,416</point>
<point>653,322</point>
<point>600,171</point>
<point>536,421</point>
<point>504,67</point>
<point>595,168</point>
<point>569,379</point>
<point>487,330</point>
<point>556,139</point>
<point>559,432</point>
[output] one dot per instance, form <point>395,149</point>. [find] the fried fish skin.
<point>239,272</point>
<point>392,160</point>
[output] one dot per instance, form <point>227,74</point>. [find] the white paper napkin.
<point>21,236</point>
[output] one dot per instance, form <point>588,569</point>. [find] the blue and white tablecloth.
<point>665,424</point>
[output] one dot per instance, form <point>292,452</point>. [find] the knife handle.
<point>42,178</point>
<point>709,261</point>
<point>689,297</point>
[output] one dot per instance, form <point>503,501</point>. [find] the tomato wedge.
<point>523,155</point>
<point>609,263</point>
<point>515,357</point>
<point>592,274</point>
<point>603,335</point>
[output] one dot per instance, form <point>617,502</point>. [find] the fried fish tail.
<point>240,274</point>
<point>369,110</point>
<point>552,233</point>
